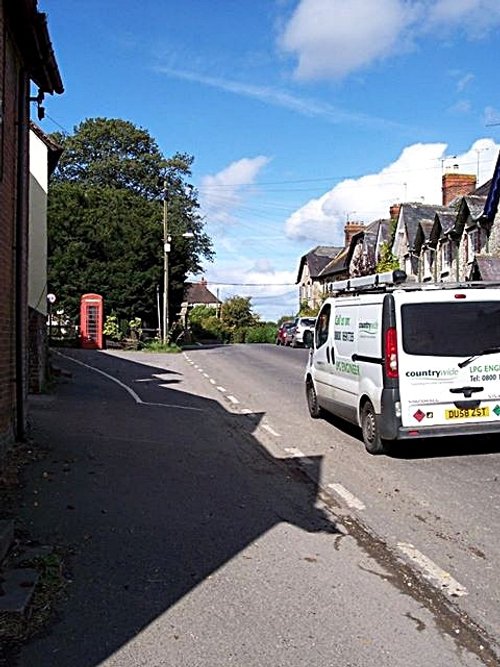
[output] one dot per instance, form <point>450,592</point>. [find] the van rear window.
<point>456,329</point>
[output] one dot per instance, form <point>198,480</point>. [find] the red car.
<point>281,334</point>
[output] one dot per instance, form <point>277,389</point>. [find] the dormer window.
<point>428,258</point>
<point>446,256</point>
<point>473,243</point>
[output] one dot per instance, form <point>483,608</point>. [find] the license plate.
<point>467,413</point>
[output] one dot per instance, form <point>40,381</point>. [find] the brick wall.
<point>13,246</point>
<point>37,351</point>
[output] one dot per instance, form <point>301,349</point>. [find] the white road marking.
<point>233,399</point>
<point>212,381</point>
<point>433,572</point>
<point>132,393</point>
<point>294,452</point>
<point>206,375</point>
<point>145,380</point>
<point>348,497</point>
<point>270,430</point>
<point>221,389</point>
<point>297,454</point>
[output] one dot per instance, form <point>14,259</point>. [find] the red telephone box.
<point>91,321</point>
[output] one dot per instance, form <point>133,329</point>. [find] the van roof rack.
<point>374,281</point>
<point>398,280</point>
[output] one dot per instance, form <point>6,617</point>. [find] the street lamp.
<point>51,299</point>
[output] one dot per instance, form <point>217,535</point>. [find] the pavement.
<point>148,496</point>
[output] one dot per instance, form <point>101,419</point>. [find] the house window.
<point>473,243</point>
<point>446,256</point>
<point>428,257</point>
<point>408,265</point>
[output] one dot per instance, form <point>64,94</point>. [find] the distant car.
<point>302,332</point>
<point>281,334</point>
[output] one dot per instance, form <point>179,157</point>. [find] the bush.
<point>158,346</point>
<point>210,328</point>
<point>239,335</point>
<point>265,333</point>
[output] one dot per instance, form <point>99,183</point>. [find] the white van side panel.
<point>347,371</point>
<point>369,347</point>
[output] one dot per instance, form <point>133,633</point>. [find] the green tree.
<point>105,220</point>
<point>237,312</point>
<point>388,261</point>
<point>306,310</point>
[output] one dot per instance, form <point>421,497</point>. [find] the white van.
<point>405,361</point>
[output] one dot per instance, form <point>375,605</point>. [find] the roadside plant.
<point>111,328</point>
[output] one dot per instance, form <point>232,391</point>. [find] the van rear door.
<point>448,369</point>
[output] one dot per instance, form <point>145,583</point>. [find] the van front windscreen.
<point>450,329</point>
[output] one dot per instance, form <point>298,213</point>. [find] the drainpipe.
<point>20,256</point>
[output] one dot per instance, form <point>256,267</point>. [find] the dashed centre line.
<point>430,570</point>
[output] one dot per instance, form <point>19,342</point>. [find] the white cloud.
<point>491,116</point>
<point>332,38</point>
<point>276,97</point>
<point>461,107</point>
<point>464,81</point>
<point>222,193</point>
<point>475,17</point>
<point>273,291</point>
<point>414,176</point>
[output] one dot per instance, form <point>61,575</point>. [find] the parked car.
<point>302,332</point>
<point>281,334</point>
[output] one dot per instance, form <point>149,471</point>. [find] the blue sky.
<point>300,114</point>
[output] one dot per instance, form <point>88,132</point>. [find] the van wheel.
<point>312,401</point>
<point>371,436</point>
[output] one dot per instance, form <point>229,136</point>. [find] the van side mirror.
<point>308,338</point>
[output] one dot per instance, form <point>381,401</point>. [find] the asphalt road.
<point>213,523</point>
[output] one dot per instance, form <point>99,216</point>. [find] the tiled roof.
<point>316,260</point>
<point>475,204</point>
<point>414,214</point>
<point>385,230</point>
<point>483,189</point>
<point>338,264</point>
<point>444,221</point>
<point>198,293</point>
<point>489,267</point>
<point>423,234</point>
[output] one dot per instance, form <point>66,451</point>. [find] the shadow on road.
<point>151,498</point>
<point>427,448</point>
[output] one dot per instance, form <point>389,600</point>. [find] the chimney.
<point>352,228</point>
<point>457,185</point>
<point>203,282</point>
<point>394,211</point>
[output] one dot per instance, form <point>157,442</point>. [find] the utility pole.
<point>166,250</point>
